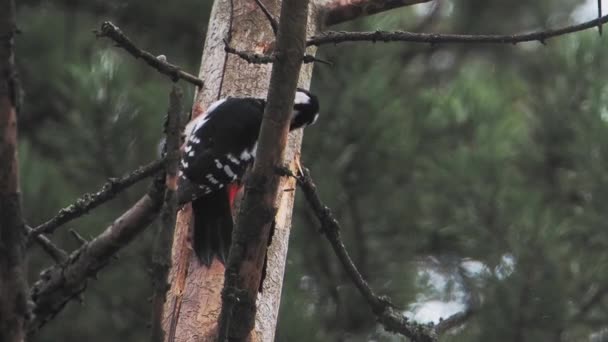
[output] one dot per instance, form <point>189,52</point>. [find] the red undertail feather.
<point>233,190</point>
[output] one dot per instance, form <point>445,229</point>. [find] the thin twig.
<point>453,321</point>
<point>58,254</point>
<point>333,37</point>
<point>79,238</point>
<point>252,58</point>
<point>111,31</point>
<point>90,201</point>
<point>274,24</point>
<point>161,260</point>
<point>256,58</point>
<point>392,319</point>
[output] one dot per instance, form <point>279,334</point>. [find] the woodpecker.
<point>220,146</point>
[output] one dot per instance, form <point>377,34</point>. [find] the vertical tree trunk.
<point>244,268</point>
<point>13,288</point>
<point>193,302</point>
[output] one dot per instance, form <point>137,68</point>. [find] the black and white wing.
<point>222,144</point>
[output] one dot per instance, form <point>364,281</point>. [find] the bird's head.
<point>305,109</point>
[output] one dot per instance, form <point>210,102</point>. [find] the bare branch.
<point>339,11</point>
<point>58,254</point>
<point>271,19</point>
<point>63,282</point>
<point>333,37</point>
<point>252,58</point>
<point>161,261</point>
<point>392,319</point>
<point>453,321</point>
<point>111,31</point>
<point>79,238</point>
<point>256,58</point>
<point>90,201</point>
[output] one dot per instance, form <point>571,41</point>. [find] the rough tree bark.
<point>13,287</point>
<point>193,301</point>
<point>257,213</point>
<point>161,260</point>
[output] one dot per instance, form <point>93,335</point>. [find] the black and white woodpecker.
<point>220,146</point>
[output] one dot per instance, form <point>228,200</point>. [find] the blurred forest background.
<point>462,174</point>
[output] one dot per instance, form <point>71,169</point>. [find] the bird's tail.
<point>212,213</point>
<point>213,224</point>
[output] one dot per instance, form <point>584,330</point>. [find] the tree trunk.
<point>244,268</point>
<point>193,302</point>
<point>13,288</point>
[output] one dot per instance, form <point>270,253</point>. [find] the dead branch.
<point>111,31</point>
<point>243,274</point>
<point>392,319</point>
<point>333,37</point>
<point>58,254</point>
<point>454,321</point>
<point>89,201</point>
<point>339,11</point>
<point>251,58</point>
<point>63,282</point>
<point>161,261</point>
<point>256,58</point>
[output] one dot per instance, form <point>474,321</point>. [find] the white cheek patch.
<point>301,98</point>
